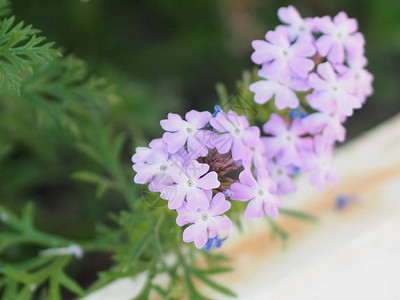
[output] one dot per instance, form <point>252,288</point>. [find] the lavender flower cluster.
<point>314,71</point>
<point>316,68</point>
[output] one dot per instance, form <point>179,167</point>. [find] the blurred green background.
<point>184,47</point>
<point>160,56</point>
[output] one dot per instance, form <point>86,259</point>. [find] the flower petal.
<point>173,123</point>
<point>198,119</point>
<point>197,233</point>
<point>219,205</point>
<point>209,181</point>
<point>241,192</point>
<point>254,209</point>
<point>197,199</point>
<point>218,224</point>
<point>174,140</point>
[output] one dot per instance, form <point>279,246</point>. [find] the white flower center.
<point>279,172</point>
<point>164,168</point>
<point>340,35</point>
<point>204,216</point>
<point>335,88</point>
<point>189,183</point>
<point>260,193</point>
<point>285,53</point>
<point>236,131</point>
<point>289,137</point>
<point>324,164</point>
<point>189,130</point>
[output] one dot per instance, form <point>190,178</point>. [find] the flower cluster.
<point>195,168</point>
<point>315,69</point>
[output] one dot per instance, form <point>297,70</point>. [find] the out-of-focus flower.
<point>318,163</point>
<point>259,193</point>
<point>339,36</point>
<point>361,77</point>
<point>256,155</point>
<point>286,142</point>
<point>283,59</point>
<point>285,96</point>
<point>281,175</point>
<point>332,92</point>
<point>329,124</point>
<point>295,26</point>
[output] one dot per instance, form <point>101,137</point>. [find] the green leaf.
<point>276,230</point>
<point>161,291</point>
<point>70,284</point>
<point>193,294</point>
<point>90,152</point>
<point>54,288</point>
<point>33,263</point>
<point>157,245</point>
<point>27,216</point>
<point>25,293</point>
<point>117,146</point>
<point>102,182</point>
<point>19,275</point>
<point>5,8</point>
<point>222,92</point>
<point>20,50</point>
<point>220,288</point>
<point>127,218</point>
<point>138,247</point>
<point>217,270</point>
<point>144,293</point>
<point>298,214</point>
<point>35,278</point>
<point>10,291</point>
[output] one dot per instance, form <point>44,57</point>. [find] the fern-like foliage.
<point>5,8</point>
<point>20,50</point>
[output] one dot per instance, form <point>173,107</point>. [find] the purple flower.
<point>142,153</point>
<point>361,77</point>
<point>236,134</point>
<point>207,221</point>
<point>185,156</point>
<point>283,59</point>
<point>280,174</point>
<point>284,93</point>
<point>338,36</point>
<point>332,93</point>
<point>181,131</point>
<point>260,193</point>
<point>256,155</point>
<point>155,163</point>
<point>296,26</point>
<point>286,141</point>
<point>319,163</point>
<point>193,184</point>
<point>330,124</point>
